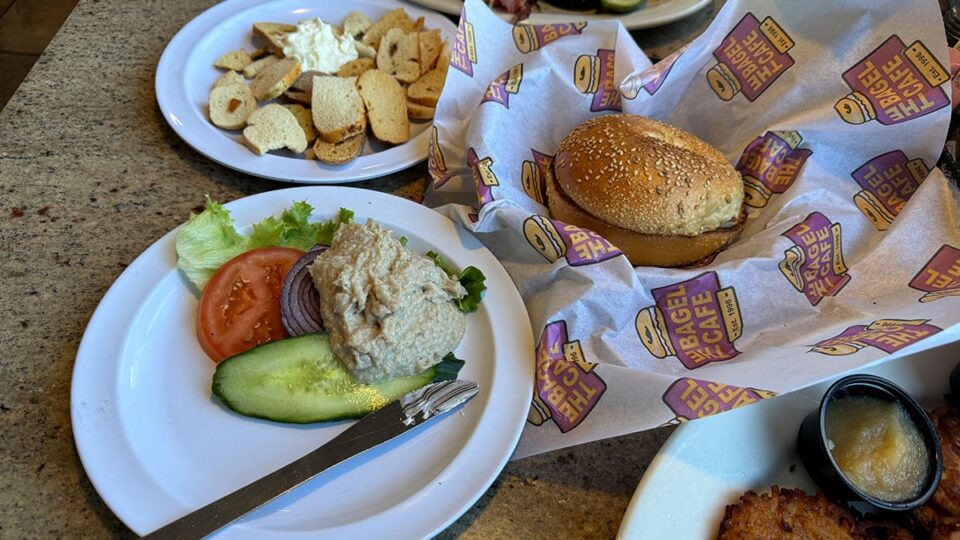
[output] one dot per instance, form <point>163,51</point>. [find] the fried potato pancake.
<point>786,513</point>
<point>792,514</point>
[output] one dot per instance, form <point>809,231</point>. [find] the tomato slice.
<point>240,306</point>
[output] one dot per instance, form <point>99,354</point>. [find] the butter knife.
<point>380,426</point>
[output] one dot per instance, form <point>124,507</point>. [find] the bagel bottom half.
<point>643,249</point>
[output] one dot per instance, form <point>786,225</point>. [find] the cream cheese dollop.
<point>318,46</point>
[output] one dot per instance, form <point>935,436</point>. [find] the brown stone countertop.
<point>90,176</point>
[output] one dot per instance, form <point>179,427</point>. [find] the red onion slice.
<point>299,300</point>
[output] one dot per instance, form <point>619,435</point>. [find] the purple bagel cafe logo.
<point>530,37</point>
<point>484,180</point>
<point>769,165</point>
<point>893,84</point>
<point>567,387</point>
<point>814,264</point>
<point>503,86</point>
<point>940,276</point>
<point>650,79</point>
<point>690,399</point>
<point>436,164</point>
<point>555,239</point>
<point>696,321</point>
<point>464,54</point>
<point>534,175</point>
<point>751,57</point>
<point>888,335</point>
<point>594,75</point>
<point>888,182</point>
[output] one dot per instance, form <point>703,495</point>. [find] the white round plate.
<point>655,13</point>
<point>157,446</point>
<point>707,464</point>
<point>186,74</point>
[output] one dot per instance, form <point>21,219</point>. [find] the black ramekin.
<point>816,457</point>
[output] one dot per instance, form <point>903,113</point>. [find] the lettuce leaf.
<point>471,278</point>
<point>209,239</point>
<point>292,229</point>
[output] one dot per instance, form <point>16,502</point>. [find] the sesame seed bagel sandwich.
<point>661,195</point>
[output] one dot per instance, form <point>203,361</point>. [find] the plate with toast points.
<point>226,89</point>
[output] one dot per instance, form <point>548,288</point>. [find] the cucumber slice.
<point>621,6</point>
<point>299,380</point>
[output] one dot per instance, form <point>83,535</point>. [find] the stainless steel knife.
<point>377,427</point>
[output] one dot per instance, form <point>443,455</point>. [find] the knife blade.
<point>378,427</point>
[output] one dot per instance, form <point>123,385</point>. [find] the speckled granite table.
<point>90,175</point>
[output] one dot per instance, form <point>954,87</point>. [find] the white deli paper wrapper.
<point>833,112</point>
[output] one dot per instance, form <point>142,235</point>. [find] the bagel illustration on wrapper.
<point>567,387</point>
<point>534,174</point>
<point>555,239</point>
<point>690,399</point>
<point>751,57</point>
<point>814,264</point>
<point>769,165</point>
<point>893,84</point>
<point>940,276</point>
<point>543,236</point>
<point>888,335</point>
<point>888,182</point>
<point>695,321</point>
<point>594,74</point>
<point>531,37</point>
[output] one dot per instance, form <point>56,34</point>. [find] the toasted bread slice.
<point>304,82</point>
<point>355,68</point>
<point>272,35</point>
<point>415,111</point>
<point>356,24</point>
<point>386,106</point>
<point>275,79</point>
<point>430,44</point>
<point>341,152</point>
<point>273,128</point>
<point>296,96</point>
<point>443,59</point>
<point>305,119</point>
<point>338,111</point>
<point>426,91</point>
<point>364,50</point>
<point>397,18</point>
<point>399,55</point>
<point>231,105</point>
<point>260,52</point>
<point>234,60</point>
<point>228,78</point>
<point>257,66</point>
